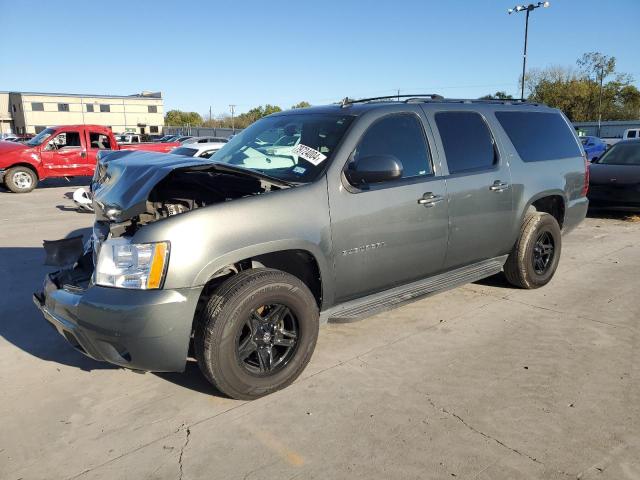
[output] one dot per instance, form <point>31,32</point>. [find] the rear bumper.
<point>575,212</point>
<point>137,329</point>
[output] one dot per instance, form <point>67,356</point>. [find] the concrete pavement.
<point>482,382</point>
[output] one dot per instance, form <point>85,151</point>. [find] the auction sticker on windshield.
<point>309,154</point>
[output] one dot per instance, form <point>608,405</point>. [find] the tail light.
<point>585,187</point>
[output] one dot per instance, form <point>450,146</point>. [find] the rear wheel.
<point>534,259</point>
<point>20,179</point>
<point>257,333</point>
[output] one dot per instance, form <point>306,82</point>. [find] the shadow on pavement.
<point>21,324</point>
<point>192,379</point>
<point>498,280</point>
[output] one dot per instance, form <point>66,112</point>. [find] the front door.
<point>389,233</point>
<point>478,188</point>
<point>65,154</point>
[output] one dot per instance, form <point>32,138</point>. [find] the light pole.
<point>528,8</point>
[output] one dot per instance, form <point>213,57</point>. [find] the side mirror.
<point>374,169</point>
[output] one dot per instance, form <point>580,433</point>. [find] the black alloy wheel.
<point>543,252</point>
<point>267,340</point>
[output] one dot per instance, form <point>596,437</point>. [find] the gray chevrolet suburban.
<point>321,214</point>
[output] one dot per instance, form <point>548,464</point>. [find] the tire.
<point>20,179</point>
<point>531,264</point>
<point>227,329</point>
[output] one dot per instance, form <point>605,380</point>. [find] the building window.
<point>13,107</point>
<point>89,107</point>
<point>153,129</point>
<point>37,107</point>
<point>152,108</point>
<point>39,128</point>
<point>105,108</point>
<point>63,107</point>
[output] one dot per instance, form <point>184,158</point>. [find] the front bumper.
<point>137,329</point>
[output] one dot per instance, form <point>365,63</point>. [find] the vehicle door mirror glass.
<point>374,169</point>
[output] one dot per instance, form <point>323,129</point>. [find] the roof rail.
<point>433,97</point>
<point>349,101</point>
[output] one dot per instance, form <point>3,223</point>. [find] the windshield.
<point>293,148</point>
<point>41,137</point>
<point>622,154</point>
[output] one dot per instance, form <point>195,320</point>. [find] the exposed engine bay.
<point>185,190</point>
<point>130,191</point>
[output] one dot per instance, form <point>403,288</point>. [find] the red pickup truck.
<point>66,151</point>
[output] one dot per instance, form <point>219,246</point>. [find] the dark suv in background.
<point>320,214</point>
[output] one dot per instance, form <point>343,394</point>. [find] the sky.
<point>203,54</point>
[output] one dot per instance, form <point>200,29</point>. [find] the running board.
<point>360,308</point>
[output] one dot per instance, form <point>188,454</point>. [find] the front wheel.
<point>535,256</point>
<point>20,179</point>
<point>257,333</point>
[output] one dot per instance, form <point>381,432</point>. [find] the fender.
<point>12,154</point>
<point>235,256</point>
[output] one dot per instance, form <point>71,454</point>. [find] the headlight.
<point>132,265</point>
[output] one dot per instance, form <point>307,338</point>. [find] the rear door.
<point>96,141</point>
<point>394,232</point>
<point>479,188</point>
<point>65,153</point>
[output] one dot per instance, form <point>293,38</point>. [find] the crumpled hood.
<point>123,180</point>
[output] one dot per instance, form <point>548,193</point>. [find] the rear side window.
<point>401,136</point>
<point>631,134</point>
<point>99,141</point>
<point>467,141</point>
<point>539,136</point>
<point>189,152</point>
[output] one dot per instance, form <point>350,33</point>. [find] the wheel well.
<point>299,263</point>
<point>27,165</point>
<point>553,205</point>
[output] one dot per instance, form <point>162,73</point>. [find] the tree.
<point>500,95</point>
<point>579,92</point>
<point>302,104</point>
<point>179,118</point>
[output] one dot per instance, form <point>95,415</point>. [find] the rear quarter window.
<point>539,136</point>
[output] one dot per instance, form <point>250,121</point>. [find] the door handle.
<point>498,186</point>
<point>429,199</point>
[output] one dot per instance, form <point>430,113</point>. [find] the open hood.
<point>146,186</point>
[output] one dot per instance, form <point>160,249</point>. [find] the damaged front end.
<point>131,189</point>
<point>107,298</point>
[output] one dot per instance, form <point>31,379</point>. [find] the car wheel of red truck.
<point>20,179</point>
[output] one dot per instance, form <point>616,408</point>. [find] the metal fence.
<point>201,131</point>
<point>610,129</point>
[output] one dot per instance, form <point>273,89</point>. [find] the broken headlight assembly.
<point>123,264</point>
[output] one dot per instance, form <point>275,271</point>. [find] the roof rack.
<point>497,101</point>
<point>349,101</point>
<point>434,97</point>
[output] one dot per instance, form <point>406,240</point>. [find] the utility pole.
<point>528,8</point>
<point>600,98</point>
<point>233,111</point>
<point>209,113</point>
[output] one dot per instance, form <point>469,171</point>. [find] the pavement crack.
<point>184,446</point>
<point>479,432</point>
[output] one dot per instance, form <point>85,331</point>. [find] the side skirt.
<point>360,308</point>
